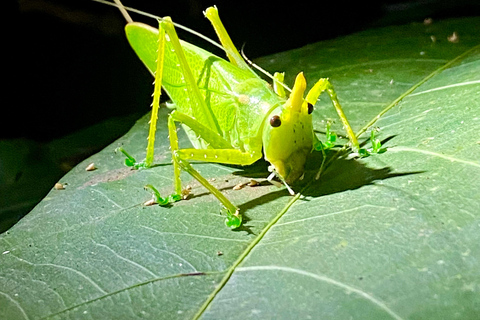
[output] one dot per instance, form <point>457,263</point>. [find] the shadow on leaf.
<point>342,175</point>
<point>345,175</point>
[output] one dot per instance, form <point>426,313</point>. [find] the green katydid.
<point>229,113</point>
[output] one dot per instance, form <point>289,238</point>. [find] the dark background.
<point>72,85</point>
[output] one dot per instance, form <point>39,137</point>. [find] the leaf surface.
<point>395,235</point>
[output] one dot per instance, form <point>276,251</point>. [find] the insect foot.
<point>233,220</point>
<point>130,161</point>
<point>158,198</point>
<point>376,146</point>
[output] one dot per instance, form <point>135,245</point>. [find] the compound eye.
<point>310,108</point>
<point>275,121</point>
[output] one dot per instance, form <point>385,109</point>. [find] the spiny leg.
<point>234,218</point>
<point>157,91</point>
<point>234,56</point>
<point>172,134</point>
<point>199,106</point>
<point>203,129</point>
<point>201,109</point>
<point>232,53</point>
<point>179,163</point>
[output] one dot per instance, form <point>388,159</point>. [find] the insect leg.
<point>158,73</point>
<point>232,53</point>
<point>167,33</point>
<point>157,91</point>
<point>228,155</point>
<point>225,156</point>
<point>179,162</point>
<point>278,79</point>
<point>211,137</point>
<point>214,140</point>
<point>325,85</point>
<point>172,134</point>
<point>221,151</point>
<point>200,107</point>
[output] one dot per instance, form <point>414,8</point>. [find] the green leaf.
<point>394,235</point>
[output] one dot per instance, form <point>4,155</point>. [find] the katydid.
<point>229,113</point>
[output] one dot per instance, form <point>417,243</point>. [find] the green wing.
<point>215,76</point>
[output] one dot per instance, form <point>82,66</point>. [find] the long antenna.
<point>265,72</point>
<point>124,10</point>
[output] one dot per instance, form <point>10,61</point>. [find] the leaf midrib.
<point>246,253</point>
<point>267,228</point>
<point>414,87</point>
<point>229,272</point>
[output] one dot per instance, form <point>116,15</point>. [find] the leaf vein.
<point>108,199</point>
<point>435,154</point>
<point>326,279</point>
<point>126,290</point>
<point>413,88</point>
<point>454,85</point>
<point>61,267</point>
<point>192,235</point>
<point>125,259</point>
<point>16,303</point>
<point>176,256</point>
<point>382,62</point>
<point>334,213</point>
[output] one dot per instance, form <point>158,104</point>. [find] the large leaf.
<point>394,235</point>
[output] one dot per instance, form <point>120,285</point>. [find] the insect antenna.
<point>260,69</point>
<point>265,72</point>
<point>124,10</point>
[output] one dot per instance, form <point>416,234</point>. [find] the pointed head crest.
<point>288,134</point>
<point>295,101</point>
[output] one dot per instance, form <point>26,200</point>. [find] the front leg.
<point>325,85</point>
<point>181,157</point>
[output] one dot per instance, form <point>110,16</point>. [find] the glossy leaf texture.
<point>395,235</point>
